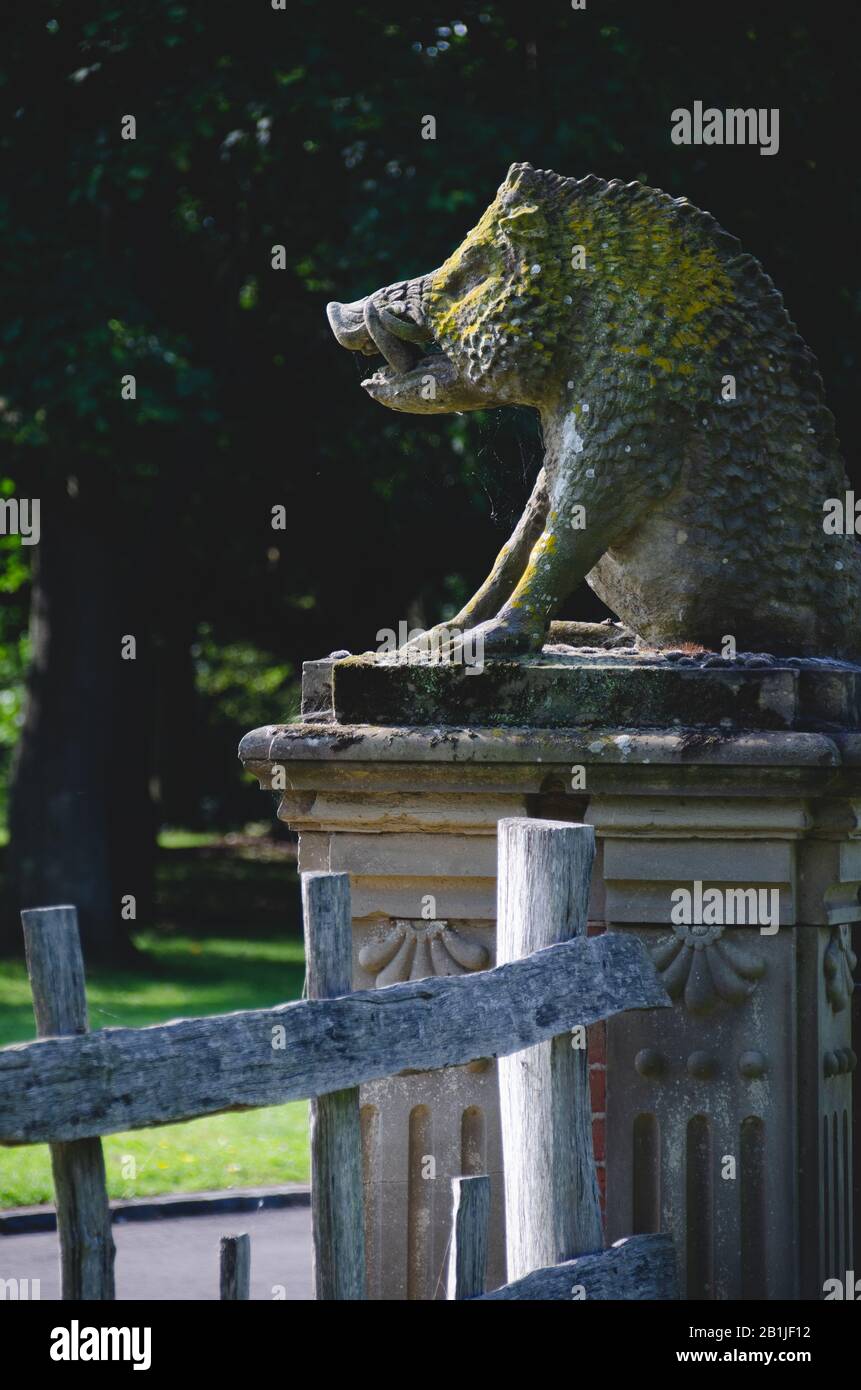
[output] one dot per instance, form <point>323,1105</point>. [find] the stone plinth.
<point>728,1118</point>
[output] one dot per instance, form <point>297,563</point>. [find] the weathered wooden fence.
<point>70,1086</point>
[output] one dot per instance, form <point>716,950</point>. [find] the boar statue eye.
<point>521,223</point>
<point>468,271</point>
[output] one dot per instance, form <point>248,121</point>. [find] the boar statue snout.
<point>392,322</point>
<point>347,322</point>
<point>395,323</point>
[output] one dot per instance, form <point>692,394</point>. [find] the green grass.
<point>186,839</point>
<point>182,975</point>
<point>258,1149</point>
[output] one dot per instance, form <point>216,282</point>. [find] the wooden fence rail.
<point>130,1078</point>
<point>638,1268</point>
<point>551,979</point>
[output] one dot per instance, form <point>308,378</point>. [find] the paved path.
<point>177,1257</point>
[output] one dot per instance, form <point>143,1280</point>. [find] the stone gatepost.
<point>729,1117</point>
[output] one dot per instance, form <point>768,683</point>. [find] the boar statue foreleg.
<point>508,568</point>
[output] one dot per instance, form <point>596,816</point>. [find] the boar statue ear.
<point>521,217</point>
<point>521,178</point>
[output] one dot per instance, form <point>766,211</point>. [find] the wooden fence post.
<point>336,1144</point>
<point>56,970</point>
<point>552,1207</point>
<point>235,1267</point>
<point>469,1220</point>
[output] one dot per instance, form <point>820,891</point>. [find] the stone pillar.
<point>729,1117</point>
<point>421,853</point>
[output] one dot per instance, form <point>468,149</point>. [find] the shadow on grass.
<point>227,937</point>
<point>210,890</point>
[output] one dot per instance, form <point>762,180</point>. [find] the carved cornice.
<point>702,965</point>
<point>406,949</point>
<point>838,964</point>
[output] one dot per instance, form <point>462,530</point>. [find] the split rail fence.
<point>71,1086</point>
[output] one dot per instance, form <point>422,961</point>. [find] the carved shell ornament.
<point>413,950</point>
<point>703,966</point>
<point>838,963</point>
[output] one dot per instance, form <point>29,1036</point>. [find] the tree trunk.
<point>80,813</point>
<point>181,773</point>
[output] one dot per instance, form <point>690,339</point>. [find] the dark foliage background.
<point>302,127</point>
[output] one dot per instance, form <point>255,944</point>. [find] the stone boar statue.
<point>689,453</point>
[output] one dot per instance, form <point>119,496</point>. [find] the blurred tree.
<point>302,128</point>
